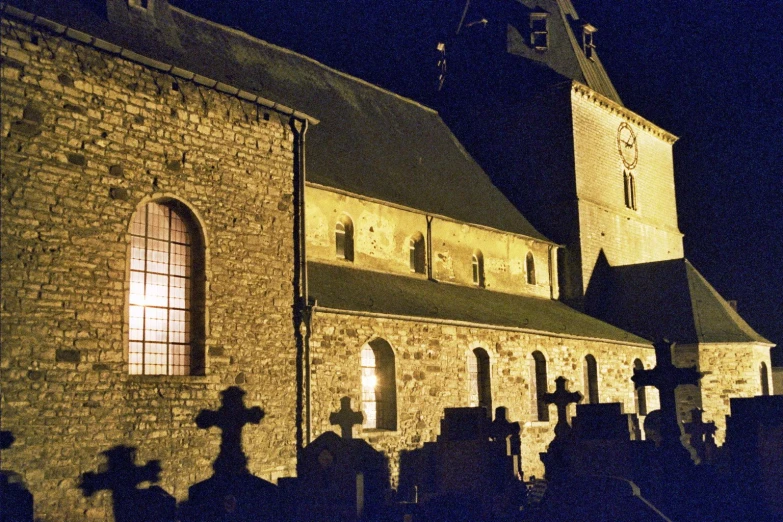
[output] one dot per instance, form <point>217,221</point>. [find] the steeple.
<point>550,32</point>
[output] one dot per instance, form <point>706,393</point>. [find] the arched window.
<point>343,238</point>
<point>530,268</point>
<point>629,182</point>
<point>764,379</point>
<point>640,394</point>
<point>539,380</point>
<point>166,298</point>
<point>416,253</point>
<point>478,268</point>
<point>379,389</point>
<point>591,379</point>
<point>480,381</point>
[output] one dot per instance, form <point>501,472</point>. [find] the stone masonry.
<point>88,137</point>
<point>432,374</point>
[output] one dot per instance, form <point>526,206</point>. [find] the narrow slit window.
<point>416,254</point>
<point>530,268</point>
<point>591,379</point>
<point>539,35</point>
<point>539,384</point>
<point>343,238</point>
<point>480,393</point>
<point>379,389</point>
<point>477,264</point>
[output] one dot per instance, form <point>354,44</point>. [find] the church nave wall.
<point>431,370</point>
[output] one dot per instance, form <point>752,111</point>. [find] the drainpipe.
<point>429,247</point>
<point>302,310</point>
<point>554,285</point>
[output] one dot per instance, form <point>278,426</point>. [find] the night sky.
<point>709,72</point>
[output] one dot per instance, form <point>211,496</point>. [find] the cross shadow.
<point>16,501</point>
<point>122,477</point>
<point>232,493</point>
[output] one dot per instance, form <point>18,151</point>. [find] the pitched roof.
<point>353,290</point>
<point>564,54</point>
<point>672,300</point>
<point>369,141</point>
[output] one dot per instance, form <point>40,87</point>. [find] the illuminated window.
<point>764,380</point>
<point>530,268</point>
<point>343,237</point>
<point>416,254</point>
<point>480,383</point>
<point>591,379</point>
<point>630,190</point>
<point>478,268</point>
<point>539,36</point>
<point>641,395</point>
<point>164,297</point>
<point>539,380</point>
<point>379,390</point>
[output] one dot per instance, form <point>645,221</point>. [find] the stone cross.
<point>562,398</point>
<point>701,433</point>
<point>666,377</point>
<point>346,418</point>
<point>231,417</point>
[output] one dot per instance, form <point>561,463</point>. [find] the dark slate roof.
<point>353,290</point>
<point>369,141</point>
<point>672,300</point>
<point>564,55</point>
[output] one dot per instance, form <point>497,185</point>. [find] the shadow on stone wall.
<point>232,493</point>
<point>16,502</point>
<point>122,477</point>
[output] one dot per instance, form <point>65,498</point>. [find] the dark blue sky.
<point>710,72</point>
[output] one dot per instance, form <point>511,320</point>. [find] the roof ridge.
<point>256,39</point>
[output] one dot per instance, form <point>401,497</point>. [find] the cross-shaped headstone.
<point>562,398</point>
<point>701,433</point>
<point>502,430</point>
<point>666,377</point>
<point>346,418</point>
<point>231,417</point>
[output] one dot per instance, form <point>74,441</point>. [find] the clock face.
<point>627,146</point>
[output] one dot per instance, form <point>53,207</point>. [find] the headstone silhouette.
<point>507,433</point>
<point>232,493</point>
<point>231,417</point>
<point>561,398</point>
<point>667,377</point>
<point>122,477</point>
<point>702,435</point>
<point>346,418</point>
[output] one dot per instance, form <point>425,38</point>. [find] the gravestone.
<point>561,398</point>
<point>702,436</point>
<point>754,444</point>
<point>666,378</point>
<point>346,418</point>
<point>122,477</point>
<point>232,493</point>
<point>506,433</point>
<point>339,478</point>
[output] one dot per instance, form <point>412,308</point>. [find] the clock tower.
<point>552,132</point>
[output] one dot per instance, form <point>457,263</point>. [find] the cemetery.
<point>599,466</point>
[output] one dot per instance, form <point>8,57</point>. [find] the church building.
<point>187,208</point>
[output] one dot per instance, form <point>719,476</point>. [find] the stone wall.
<point>382,234</point>
<point>86,138</point>
<point>432,374</point>
<point>730,370</point>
